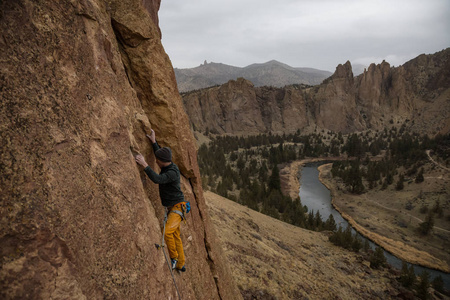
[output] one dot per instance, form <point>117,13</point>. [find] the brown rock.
<point>238,107</point>
<point>81,84</point>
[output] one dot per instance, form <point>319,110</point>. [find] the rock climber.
<point>172,199</point>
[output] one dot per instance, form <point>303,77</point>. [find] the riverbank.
<point>395,247</point>
<point>289,175</point>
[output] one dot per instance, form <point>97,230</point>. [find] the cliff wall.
<point>81,83</point>
<point>417,94</point>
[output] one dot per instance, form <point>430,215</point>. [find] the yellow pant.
<point>172,236</point>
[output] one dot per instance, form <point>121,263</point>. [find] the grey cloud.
<point>305,33</point>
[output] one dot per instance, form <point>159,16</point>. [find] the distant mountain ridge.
<point>416,94</point>
<point>271,73</point>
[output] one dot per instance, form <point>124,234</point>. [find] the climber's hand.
<point>152,136</point>
<point>141,160</point>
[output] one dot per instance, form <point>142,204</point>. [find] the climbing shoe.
<point>183,269</point>
<point>173,262</point>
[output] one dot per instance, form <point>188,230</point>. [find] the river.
<point>317,197</point>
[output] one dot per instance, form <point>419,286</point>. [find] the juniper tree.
<point>377,258</point>
<point>330,223</point>
<point>438,284</point>
<point>274,179</point>
<point>407,275</point>
<point>423,284</point>
<point>400,185</point>
<point>357,243</point>
<point>426,226</point>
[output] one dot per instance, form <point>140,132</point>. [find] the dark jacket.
<point>169,182</point>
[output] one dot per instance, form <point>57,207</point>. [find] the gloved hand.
<point>188,207</point>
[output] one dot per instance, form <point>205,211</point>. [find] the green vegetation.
<point>438,284</point>
<point>246,169</point>
<point>377,258</point>
<point>347,240</point>
<point>407,275</point>
<point>421,283</point>
<point>426,226</point>
<point>394,151</point>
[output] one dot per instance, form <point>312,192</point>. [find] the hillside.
<point>271,73</point>
<point>274,260</point>
<point>81,83</point>
<point>415,94</point>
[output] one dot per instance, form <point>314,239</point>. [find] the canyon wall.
<point>81,83</point>
<point>416,94</point>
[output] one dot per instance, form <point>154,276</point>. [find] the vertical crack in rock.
<point>123,53</point>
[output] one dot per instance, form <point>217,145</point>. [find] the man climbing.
<point>171,197</point>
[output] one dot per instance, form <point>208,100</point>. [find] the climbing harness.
<point>162,246</point>
<point>181,213</point>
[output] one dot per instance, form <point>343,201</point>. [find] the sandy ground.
<point>274,260</point>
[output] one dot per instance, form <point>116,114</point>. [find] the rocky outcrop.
<point>81,84</point>
<point>238,107</point>
<point>334,102</point>
<point>415,94</point>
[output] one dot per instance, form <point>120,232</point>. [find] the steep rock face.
<point>238,107</point>
<point>231,107</point>
<point>334,102</point>
<point>382,91</point>
<point>81,84</point>
<point>417,93</point>
<point>282,109</point>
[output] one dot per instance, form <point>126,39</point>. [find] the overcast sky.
<point>302,33</point>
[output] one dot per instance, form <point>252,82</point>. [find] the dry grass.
<point>274,260</point>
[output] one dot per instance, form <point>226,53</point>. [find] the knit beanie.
<point>164,154</point>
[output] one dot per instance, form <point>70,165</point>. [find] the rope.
<point>167,260</point>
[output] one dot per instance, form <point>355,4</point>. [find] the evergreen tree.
<point>354,146</point>
<point>263,172</point>
<point>399,185</point>
<point>438,284</point>
<point>377,259</point>
<point>347,238</point>
<point>426,226</point>
<point>310,220</point>
<point>366,245</point>
<point>330,223</point>
<point>385,184</point>
<point>437,209</point>
<point>318,221</point>
<point>353,179</point>
<point>240,163</point>
<point>389,178</point>
<point>357,243</point>
<point>337,237</point>
<point>419,177</point>
<point>423,285</point>
<point>407,275</point>
<point>274,180</point>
